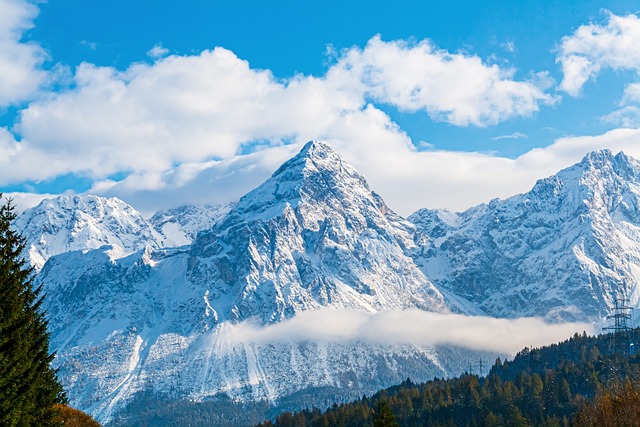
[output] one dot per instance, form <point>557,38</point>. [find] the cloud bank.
<point>207,127</point>
<point>213,106</point>
<point>416,327</point>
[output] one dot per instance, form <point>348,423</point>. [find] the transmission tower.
<point>621,329</point>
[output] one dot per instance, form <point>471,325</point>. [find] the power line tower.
<point>621,329</point>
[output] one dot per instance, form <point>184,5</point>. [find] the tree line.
<point>579,382</point>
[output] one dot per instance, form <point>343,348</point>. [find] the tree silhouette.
<point>29,388</point>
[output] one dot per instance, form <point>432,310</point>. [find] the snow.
<point>139,304</point>
<point>70,223</point>
<point>563,251</point>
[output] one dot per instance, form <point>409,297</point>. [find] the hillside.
<point>540,387</point>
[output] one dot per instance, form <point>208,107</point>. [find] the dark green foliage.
<point>540,387</point>
<point>383,417</point>
<point>29,388</point>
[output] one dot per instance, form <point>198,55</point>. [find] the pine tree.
<point>383,417</point>
<point>29,388</point>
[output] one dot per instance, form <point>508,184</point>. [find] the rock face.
<point>312,236</point>
<point>564,250</point>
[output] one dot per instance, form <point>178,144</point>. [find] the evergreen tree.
<point>29,388</point>
<point>383,417</point>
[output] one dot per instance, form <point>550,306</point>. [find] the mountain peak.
<point>316,173</point>
<point>597,158</point>
<point>620,164</point>
<point>315,155</point>
<point>315,148</point>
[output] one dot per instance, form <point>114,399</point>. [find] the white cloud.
<point>157,51</point>
<point>20,62</point>
<point>631,94</point>
<point>90,45</point>
<point>454,88</point>
<point>180,109</point>
<point>208,127</point>
<point>406,178</point>
<point>408,327</point>
<point>23,201</point>
<point>154,122</point>
<point>515,135</point>
<point>509,46</point>
<point>628,117</point>
<point>594,47</point>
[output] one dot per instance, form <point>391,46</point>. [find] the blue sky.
<point>439,104</point>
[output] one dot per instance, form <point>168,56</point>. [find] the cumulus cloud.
<point>20,62</point>
<point>631,94</point>
<point>196,109</point>
<point>628,116</point>
<point>415,327</point>
<point>451,87</point>
<point>208,127</point>
<point>180,109</point>
<point>594,47</point>
<point>406,178</point>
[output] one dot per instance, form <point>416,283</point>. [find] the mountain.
<point>313,235</point>
<point>180,226</point>
<point>82,222</point>
<point>565,250</point>
<point>161,320</point>
<point>69,223</point>
<point>157,311</point>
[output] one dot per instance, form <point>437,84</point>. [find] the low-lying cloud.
<point>415,327</point>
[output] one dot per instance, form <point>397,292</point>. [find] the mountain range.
<point>139,305</point>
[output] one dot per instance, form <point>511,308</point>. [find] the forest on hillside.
<point>581,381</point>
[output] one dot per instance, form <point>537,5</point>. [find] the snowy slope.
<point>564,250</point>
<point>311,236</point>
<point>72,223</point>
<point>180,226</point>
<point>69,223</point>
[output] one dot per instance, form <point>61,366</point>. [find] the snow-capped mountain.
<point>69,223</point>
<point>564,250</point>
<point>82,222</point>
<point>156,316</point>
<point>180,226</point>
<point>312,236</point>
